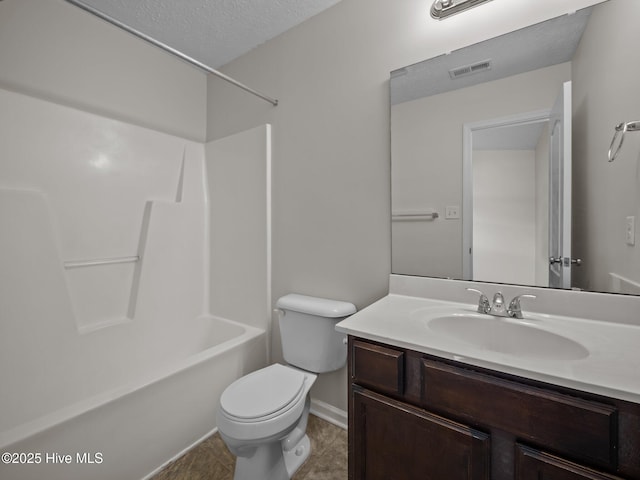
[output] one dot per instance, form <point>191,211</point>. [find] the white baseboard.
<point>329,413</point>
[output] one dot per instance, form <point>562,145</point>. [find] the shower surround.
<point>109,349</point>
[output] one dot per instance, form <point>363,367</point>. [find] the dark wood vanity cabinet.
<point>415,416</point>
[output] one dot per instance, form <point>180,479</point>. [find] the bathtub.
<point>148,415</point>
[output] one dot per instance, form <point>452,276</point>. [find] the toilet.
<point>263,416</point>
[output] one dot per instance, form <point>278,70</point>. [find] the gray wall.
<point>331,171</point>
<point>53,50</point>
<point>599,86</point>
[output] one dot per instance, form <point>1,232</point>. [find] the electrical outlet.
<point>631,231</point>
<point>451,212</point>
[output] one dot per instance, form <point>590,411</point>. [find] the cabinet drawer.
<point>535,465</point>
<point>376,367</point>
<point>564,424</point>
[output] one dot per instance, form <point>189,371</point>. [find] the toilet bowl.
<point>268,436</point>
<point>262,416</point>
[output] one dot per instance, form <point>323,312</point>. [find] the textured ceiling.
<point>541,45</point>
<point>211,31</point>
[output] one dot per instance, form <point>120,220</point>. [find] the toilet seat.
<point>263,394</point>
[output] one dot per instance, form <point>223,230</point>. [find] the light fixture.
<point>445,8</point>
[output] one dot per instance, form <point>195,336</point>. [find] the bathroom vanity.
<point>413,415</point>
<point>426,405</point>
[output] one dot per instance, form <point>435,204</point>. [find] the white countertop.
<point>611,367</point>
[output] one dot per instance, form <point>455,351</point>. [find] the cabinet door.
<point>535,465</point>
<point>395,441</point>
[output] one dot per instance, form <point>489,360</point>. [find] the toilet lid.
<point>262,392</point>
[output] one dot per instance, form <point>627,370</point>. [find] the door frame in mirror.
<point>468,129</point>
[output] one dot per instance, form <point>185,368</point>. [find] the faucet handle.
<point>515,309</point>
<point>483,302</point>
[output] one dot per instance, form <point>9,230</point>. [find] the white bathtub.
<point>150,416</point>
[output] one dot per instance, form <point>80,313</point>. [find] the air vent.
<point>465,70</point>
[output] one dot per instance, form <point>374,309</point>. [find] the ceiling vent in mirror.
<point>442,9</point>
<point>466,70</point>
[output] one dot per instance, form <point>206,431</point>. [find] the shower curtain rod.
<point>171,50</point>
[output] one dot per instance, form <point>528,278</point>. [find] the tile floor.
<point>210,460</point>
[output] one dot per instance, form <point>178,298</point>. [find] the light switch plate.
<point>631,231</point>
<point>451,212</point>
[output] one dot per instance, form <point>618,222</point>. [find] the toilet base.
<point>295,457</point>
<point>270,462</point>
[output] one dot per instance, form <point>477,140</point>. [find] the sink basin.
<point>504,335</point>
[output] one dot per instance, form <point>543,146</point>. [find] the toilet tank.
<point>307,331</point>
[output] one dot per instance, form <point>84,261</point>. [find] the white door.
<point>560,191</point>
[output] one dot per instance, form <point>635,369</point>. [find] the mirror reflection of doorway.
<point>512,170</point>
<point>509,211</point>
<point>560,178</point>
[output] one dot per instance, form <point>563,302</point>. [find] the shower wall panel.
<point>103,251</point>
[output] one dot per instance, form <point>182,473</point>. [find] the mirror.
<point>499,157</point>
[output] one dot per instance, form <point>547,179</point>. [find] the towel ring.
<point>621,129</point>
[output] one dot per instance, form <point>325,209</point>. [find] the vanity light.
<point>445,8</point>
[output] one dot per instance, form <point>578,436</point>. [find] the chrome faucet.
<point>497,307</point>
<point>483,302</point>
<point>515,310</point>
